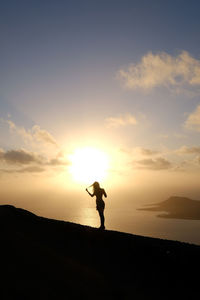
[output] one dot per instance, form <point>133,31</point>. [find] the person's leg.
<point>102,219</point>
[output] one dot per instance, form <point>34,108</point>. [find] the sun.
<point>88,165</point>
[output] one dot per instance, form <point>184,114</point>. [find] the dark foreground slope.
<point>48,259</point>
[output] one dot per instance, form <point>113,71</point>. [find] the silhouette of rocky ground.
<point>49,259</point>
<point>176,208</point>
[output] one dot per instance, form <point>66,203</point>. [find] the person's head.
<point>96,186</point>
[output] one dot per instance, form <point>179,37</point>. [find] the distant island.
<point>176,208</point>
<point>50,259</point>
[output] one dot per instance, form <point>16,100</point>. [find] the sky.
<point>119,77</point>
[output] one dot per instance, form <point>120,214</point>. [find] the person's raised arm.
<point>92,195</point>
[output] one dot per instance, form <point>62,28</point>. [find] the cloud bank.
<point>19,157</point>
<point>23,161</point>
<point>162,69</point>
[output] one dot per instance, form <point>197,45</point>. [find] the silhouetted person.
<point>100,204</point>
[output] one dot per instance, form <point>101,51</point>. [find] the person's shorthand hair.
<point>100,204</point>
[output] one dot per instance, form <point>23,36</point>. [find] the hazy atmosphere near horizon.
<point>104,91</point>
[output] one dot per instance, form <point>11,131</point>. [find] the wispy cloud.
<point>159,163</point>
<point>21,131</point>
<point>162,69</point>
<point>43,135</point>
<point>148,152</point>
<point>32,169</point>
<point>140,152</point>
<point>123,120</point>
<point>193,120</point>
<point>188,150</point>
<point>35,134</point>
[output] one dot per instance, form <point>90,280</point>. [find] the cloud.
<point>193,120</point>
<point>19,157</point>
<point>123,120</point>
<point>1,153</point>
<point>162,69</point>
<point>26,135</point>
<point>24,157</point>
<point>188,150</point>
<point>35,134</point>
<point>32,169</point>
<point>43,135</point>
<point>57,162</point>
<point>139,151</point>
<point>148,152</point>
<point>159,163</point>
<point>198,160</point>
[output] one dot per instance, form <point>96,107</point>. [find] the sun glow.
<point>88,165</point>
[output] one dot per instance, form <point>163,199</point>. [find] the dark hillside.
<point>48,259</point>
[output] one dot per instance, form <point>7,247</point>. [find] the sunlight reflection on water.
<point>142,223</point>
<point>89,216</point>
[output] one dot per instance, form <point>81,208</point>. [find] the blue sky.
<point>66,67</point>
